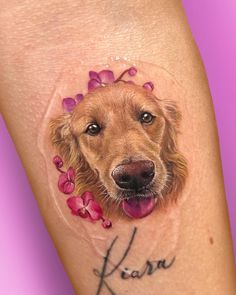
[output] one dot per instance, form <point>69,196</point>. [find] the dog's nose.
<point>134,175</point>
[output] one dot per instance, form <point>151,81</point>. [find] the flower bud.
<point>57,161</point>
<point>132,71</point>
<point>66,182</point>
<point>106,223</point>
<point>148,86</point>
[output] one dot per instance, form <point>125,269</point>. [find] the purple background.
<point>28,260</point>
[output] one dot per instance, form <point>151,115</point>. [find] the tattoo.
<point>150,266</point>
<point>140,185</point>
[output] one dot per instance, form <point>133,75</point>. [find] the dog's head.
<point>122,141</point>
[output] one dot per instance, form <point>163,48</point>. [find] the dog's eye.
<point>93,129</point>
<point>146,118</point>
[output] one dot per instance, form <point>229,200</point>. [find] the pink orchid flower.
<point>86,207</point>
<point>105,77</point>
<point>69,103</point>
<point>66,182</point>
<point>100,79</point>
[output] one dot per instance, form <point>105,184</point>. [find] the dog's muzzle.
<point>134,177</point>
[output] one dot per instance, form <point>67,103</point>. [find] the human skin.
<point>38,41</point>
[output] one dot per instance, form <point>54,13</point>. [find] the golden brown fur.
<point>116,108</point>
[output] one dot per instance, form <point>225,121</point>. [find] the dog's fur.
<point>116,108</point>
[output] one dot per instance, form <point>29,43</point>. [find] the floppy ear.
<point>172,113</point>
<point>175,162</point>
<point>63,139</point>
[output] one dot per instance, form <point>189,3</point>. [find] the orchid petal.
<point>94,75</point>
<point>106,76</point>
<point>65,184</point>
<point>83,213</point>
<point>71,174</point>
<point>68,104</point>
<point>94,210</point>
<point>75,204</point>
<point>87,197</point>
<point>93,84</point>
<point>79,97</point>
<point>68,188</point>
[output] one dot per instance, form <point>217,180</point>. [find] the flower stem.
<point>59,169</point>
<point>121,76</point>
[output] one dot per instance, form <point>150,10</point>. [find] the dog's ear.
<point>175,162</point>
<point>172,113</point>
<point>62,138</point>
<point>66,144</point>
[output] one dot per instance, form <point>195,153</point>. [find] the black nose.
<point>134,175</point>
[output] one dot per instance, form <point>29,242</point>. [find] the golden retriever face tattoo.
<point>119,143</point>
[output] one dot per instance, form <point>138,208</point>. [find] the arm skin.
<point>38,39</point>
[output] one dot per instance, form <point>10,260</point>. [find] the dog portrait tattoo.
<point>116,149</point>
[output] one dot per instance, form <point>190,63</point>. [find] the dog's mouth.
<point>138,207</point>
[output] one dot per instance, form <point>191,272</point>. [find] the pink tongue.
<point>138,208</point>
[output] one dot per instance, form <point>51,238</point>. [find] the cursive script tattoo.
<point>149,268</point>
